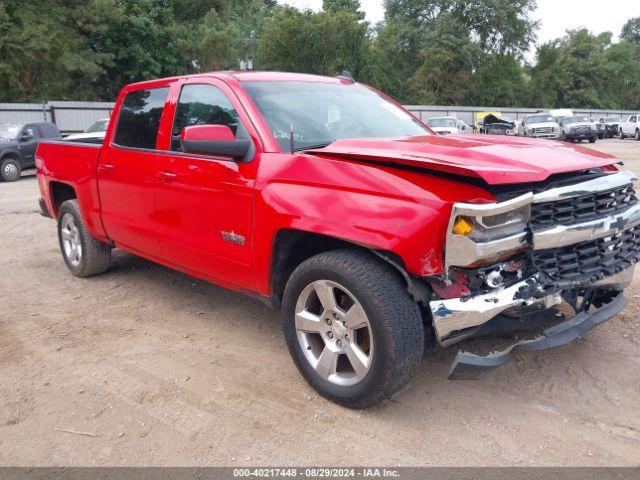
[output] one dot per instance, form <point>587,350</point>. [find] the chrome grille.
<point>582,208</point>
<point>591,261</point>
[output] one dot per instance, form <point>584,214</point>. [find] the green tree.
<point>574,72</point>
<point>631,31</point>
<point>319,43</point>
<point>431,49</point>
<point>336,6</point>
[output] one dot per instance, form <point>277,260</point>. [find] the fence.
<point>71,117</point>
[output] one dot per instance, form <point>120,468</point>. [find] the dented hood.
<point>495,159</point>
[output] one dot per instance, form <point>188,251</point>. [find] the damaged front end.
<point>516,261</point>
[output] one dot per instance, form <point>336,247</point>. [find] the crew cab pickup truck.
<point>630,128</point>
<point>325,198</point>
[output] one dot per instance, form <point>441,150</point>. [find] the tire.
<point>600,136</point>
<point>593,139</point>
<point>92,257</point>
<point>391,340</point>
<point>621,135</point>
<point>637,135</point>
<point>10,169</point>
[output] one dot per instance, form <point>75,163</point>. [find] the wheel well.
<point>13,155</point>
<point>60,193</point>
<point>292,247</point>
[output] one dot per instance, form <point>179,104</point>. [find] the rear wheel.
<point>352,328</point>
<point>637,135</point>
<point>621,135</point>
<point>84,255</point>
<point>593,139</point>
<point>10,169</point>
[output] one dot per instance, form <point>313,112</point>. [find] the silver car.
<point>541,125</point>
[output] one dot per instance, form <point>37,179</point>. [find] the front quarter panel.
<point>378,207</point>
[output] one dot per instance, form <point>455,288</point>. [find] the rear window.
<point>49,131</point>
<point>139,119</point>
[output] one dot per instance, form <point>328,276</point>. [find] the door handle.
<point>106,166</point>
<point>167,176</point>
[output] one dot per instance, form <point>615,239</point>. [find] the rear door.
<point>127,171</point>
<point>205,203</point>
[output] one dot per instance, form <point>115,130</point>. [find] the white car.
<point>448,126</point>
<point>630,128</point>
<point>94,134</point>
<point>540,125</point>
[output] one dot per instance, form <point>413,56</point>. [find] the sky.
<point>556,16</point>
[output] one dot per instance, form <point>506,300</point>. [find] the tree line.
<point>444,52</point>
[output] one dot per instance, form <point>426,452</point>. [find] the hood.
<point>579,124</point>
<point>445,129</point>
<point>542,125</point>
<point>495,159</point>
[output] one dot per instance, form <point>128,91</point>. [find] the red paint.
<point>220,133</point>
<point>172,207</point>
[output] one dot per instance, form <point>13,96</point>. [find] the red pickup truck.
<point>327,199</point>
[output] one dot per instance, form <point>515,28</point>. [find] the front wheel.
<point>352,328</point>
<point>637,135</point>
<point>10,169</point>
<point>84,255</point>
<point>592,140</point>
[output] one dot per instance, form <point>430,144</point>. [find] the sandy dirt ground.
<point>145,366</point>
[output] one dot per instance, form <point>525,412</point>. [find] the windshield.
<point>576,119</point>
<point>99,126</point>
<point>441,122</point>
<point>321,113</point>
<point>9,130</point>
<point>540,119</point>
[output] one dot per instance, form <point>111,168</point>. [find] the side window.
<point>48,131</point>
<point>202,105</point>
<point>32,131</point>
<point>632,119</point>
<point>139,119</point>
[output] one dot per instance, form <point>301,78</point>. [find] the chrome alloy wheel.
<point>71,241</point>
<point>11,171</point>
<point>334,333</point>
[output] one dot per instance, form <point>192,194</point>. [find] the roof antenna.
<point>346,75</point>
<point>291,140</point>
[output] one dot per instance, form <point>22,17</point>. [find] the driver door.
<point>28,139</point>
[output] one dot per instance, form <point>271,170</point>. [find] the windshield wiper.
<point>313,147</point>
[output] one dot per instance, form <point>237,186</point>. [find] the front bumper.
<point>581,254</point>
<point>455,319</point>
<point>581,135</point>
<point>468,366</point>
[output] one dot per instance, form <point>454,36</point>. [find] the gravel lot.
<point>146,366</point>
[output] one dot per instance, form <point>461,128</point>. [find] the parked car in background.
<point>630,128</point>
<point>18,144</point>
<point>94,134</point>
<point>448,125</point>
<point>610,126</point>
<point>540,125</point>
<point>576,128</point>
<point>493,125</point>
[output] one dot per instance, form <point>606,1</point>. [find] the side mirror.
<point>215,140</point>
<point>25,137</point>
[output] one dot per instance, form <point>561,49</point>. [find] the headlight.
<point>480,234</point>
